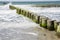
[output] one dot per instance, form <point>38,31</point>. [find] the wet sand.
<point>45,34</point>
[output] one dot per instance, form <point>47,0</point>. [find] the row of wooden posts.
<point>43,21</point>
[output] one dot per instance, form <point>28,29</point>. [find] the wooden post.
<point>50,24</point>
<point>44,22</point>
<point>40,21</point>
<point>17,10</point>
<point>22,12</point>
<point>58,30</point>
<point>32,16</point>
<point>12,7</point>
<point>55,25</point>
<point>35,18</point>
<point>27,14</point>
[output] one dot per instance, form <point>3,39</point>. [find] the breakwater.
<point>46,18</point>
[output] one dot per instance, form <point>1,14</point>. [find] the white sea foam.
<point>10,18</point>
<point>5,7</point>
<point>52,13</point>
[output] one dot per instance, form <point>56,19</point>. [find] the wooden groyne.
<point>38,16</point>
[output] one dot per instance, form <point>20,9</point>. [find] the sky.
<point>29,0</point>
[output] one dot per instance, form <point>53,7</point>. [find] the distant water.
<point>54,2</point>
<point>38,2</point>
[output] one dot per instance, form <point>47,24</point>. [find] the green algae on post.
<point>44,22</point>
<point>12,7</point>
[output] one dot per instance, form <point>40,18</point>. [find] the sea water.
<point>14,26</point>
<point>29,2</point>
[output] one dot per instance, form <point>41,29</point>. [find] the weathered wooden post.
<point>17,10</point>
<point>36,18</point>
<point>21,11</point>
<point>40,21</point>
<point>24,13</point>
<point>44,22</point>
<point>28,14</point>
<point>58,30</point>
<point>32,17</point>
<point>55,25</point>
<point>12,7</point>
<point>50,24</point>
